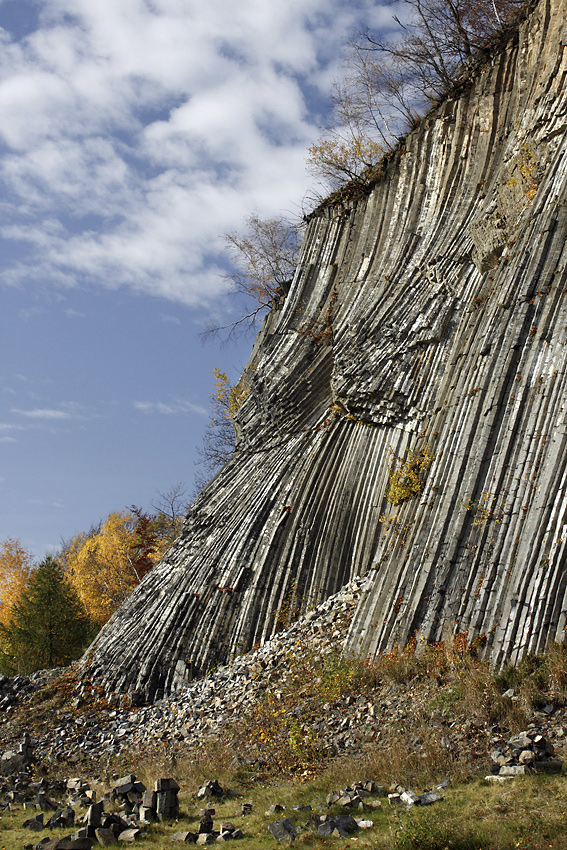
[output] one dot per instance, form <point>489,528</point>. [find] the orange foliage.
<point>16,565</point>
<point>106,565</point>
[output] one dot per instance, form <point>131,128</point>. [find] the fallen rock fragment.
<point>283,830</point>
<point>527,752</point>
<point>211,788</point>
<point>105,836</point>
<point>35,824</point>
<point>340,826</point>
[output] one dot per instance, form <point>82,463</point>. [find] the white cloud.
<point>66,410</point>
<point>45,504</point>
<point>178,406</point>
<point>136,133</point>
<point>42,413</point>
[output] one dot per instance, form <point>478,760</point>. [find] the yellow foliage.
<point>229,398</point>
<point>105,566</point>
<point>484,510</point>
<point>16,565</point>
<point>407,475</point>
<point>339,159</point>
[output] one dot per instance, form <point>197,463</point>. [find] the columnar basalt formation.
<point>428,316</point>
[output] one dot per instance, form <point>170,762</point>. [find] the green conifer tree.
<point>47,627</point>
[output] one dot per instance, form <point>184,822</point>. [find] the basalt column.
<point>427,320</point>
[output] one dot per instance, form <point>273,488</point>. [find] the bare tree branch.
<point>264,260</point>
<point>390,80</point>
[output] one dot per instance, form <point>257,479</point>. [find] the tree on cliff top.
<point>264,258</point>
<point>390,79</point>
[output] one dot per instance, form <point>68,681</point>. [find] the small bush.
<point>407,475</point>
<point>277,730</point>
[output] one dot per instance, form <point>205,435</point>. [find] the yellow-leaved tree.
<point>16,565</point>
<point>106,564</point>
<point>219,440</point>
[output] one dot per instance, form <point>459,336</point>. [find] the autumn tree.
<point>390,79</point>
<point>47,626</point>
<point>104,566</point>
<point>263,258</point>
<point>219,440</point>
<point>16,565</point>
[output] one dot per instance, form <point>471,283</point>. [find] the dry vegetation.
<point>274,754</point>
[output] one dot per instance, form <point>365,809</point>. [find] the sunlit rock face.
<point>430,315</point>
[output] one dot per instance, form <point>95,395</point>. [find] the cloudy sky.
<point>133,135</point>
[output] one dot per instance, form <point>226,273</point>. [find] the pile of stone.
<point>17,761</point>
<point>528,752</point>
<point>207,705</point>
<point>207,834</point>
<point>147,806</point>
<point>363,795</point>
<point>15,688</point>
<point>138,807</point>
<point>360,796</point>
<point>210,789</point>
<point>352,796</point>
<point>400,796</point>
<point>11,691</point>
<point>341,825</point>
<point>337,826</point>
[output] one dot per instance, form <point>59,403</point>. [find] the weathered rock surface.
<point>429,315</point>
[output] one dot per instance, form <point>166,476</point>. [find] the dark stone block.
<point>283,830</point>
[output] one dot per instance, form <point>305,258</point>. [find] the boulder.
<point>283,830</point>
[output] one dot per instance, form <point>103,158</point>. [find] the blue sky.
<point>133,135</point>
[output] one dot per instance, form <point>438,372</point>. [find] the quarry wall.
<point>426,324</point>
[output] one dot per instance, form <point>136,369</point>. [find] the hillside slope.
<point>430,316</point>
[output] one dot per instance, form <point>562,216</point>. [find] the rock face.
<point>431,317</point>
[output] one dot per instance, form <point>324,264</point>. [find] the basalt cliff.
<point>407,413</point>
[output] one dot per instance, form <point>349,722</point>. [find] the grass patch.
<point>528,812</point>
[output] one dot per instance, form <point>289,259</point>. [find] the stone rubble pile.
<point>17,761</point>
<point>353,795</point>
<point>361,796</point>
<point>212,702</point>
<point>13,689</point>
<point>207,834</point>
<point>407,797</point>
<point>138,807</point>
<point>207,705</point>
<point>528,752</point>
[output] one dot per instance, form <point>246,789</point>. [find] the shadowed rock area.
<point>429,316</point>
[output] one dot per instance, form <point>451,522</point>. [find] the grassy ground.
<point>270,757</point>
<point>527,812</point>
